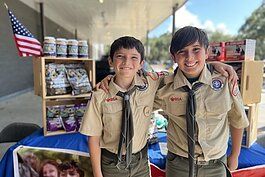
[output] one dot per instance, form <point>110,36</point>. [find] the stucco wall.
<point>16,73</point>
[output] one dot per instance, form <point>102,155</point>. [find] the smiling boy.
<point>117,122</point>
<point>207,106</point>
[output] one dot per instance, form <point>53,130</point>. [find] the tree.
<point>254,28</point>
<point>218,36</point>
<point>159,48</point>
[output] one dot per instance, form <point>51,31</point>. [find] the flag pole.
<point>6,5</point>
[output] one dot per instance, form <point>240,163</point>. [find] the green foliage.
<point>218,36</point>
<point>254,28</point>
<point>159,48</point>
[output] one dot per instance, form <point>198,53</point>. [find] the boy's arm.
<point>238,121</point>
<point>236,135</point>
<point>226,70</point>
<point>95,155</point>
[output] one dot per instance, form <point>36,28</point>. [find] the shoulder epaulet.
<point>210,68</point>
<point>166,80</point>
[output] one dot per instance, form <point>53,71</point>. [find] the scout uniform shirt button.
<point>147,111</point>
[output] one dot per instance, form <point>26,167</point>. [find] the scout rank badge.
<point>157,75</point>
<point>217,84</point>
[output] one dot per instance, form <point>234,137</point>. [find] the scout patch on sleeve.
<point>152,75</point>
<point>217,84</point>
<point>157,75</point>
<point>235,89</point>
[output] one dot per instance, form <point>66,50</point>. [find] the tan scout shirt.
<point>104,114</point>
<point>216,108</point>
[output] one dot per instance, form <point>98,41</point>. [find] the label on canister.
<point>72,48</point>
<point>82,49</point>
<point>61,47</point>
<point>49,47</point>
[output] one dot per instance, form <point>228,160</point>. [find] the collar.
<point>180,79</point>
<point>114,88</point>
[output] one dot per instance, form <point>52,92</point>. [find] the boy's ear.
<point>207,51</point>
<point>142,64</point>
<point>110,61</point>
<point>173,58</point>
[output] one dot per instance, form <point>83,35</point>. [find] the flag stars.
<point>26,43</point>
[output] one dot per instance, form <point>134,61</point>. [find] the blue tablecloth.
<point>255,155</point>
<point>73,141</point>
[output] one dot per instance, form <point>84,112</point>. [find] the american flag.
<point>27,45</point>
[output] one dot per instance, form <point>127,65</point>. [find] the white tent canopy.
<point>102,21</point>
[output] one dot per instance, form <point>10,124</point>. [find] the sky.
<point>226,16</point>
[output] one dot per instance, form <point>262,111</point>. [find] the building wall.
<point>16,73</point>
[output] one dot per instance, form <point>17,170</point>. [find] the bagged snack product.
<point>79,112</point>
<point>56,79</point>
<point>53,119</point>
<point>78,78</point>
<point>68,118</point>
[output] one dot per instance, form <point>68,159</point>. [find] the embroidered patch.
<point>142,87</point>
<point>111,99</point>
<point>235,89</point>
<point>152,75</point>
<point>175,99</point>
<point>157,75</point>
<point>162,73</point>
<point>217,84</point>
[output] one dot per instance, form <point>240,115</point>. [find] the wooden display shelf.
<point>250,133</point>
<point>250,79</point>
<point>58,102</point>
<point>64,58</point>
<point>68,96</point>
<point>39,71</point>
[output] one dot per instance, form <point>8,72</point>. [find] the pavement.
<point>27,107</point>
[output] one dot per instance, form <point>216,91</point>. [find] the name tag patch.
<point>175,99</point>
<point>111,99</point>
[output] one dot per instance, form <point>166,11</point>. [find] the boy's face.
<point>126,62</point>
<point>69,173</point>
<point>191,59</point>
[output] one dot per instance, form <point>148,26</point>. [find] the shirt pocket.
<point>177,108</point>
<point>216,110</point>
<point>112,114</point>
<point>144,106</point>
<point>143,111</point>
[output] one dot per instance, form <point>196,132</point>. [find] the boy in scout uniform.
<point>117,122</point>
<point>202,106</point>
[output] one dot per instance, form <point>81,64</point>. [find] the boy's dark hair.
<point>186,36</point>
<point>71,165</point>
<point>127,42</point>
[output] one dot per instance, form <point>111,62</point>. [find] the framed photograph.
<point>41,162</point>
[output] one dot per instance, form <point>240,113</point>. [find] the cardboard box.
<point>216,52</point>
<point>240,50</point>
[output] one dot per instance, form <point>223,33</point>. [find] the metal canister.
<point>61,47</point>
<point>82,49</point>
<point>49,47</point>
<point>72,48</point>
